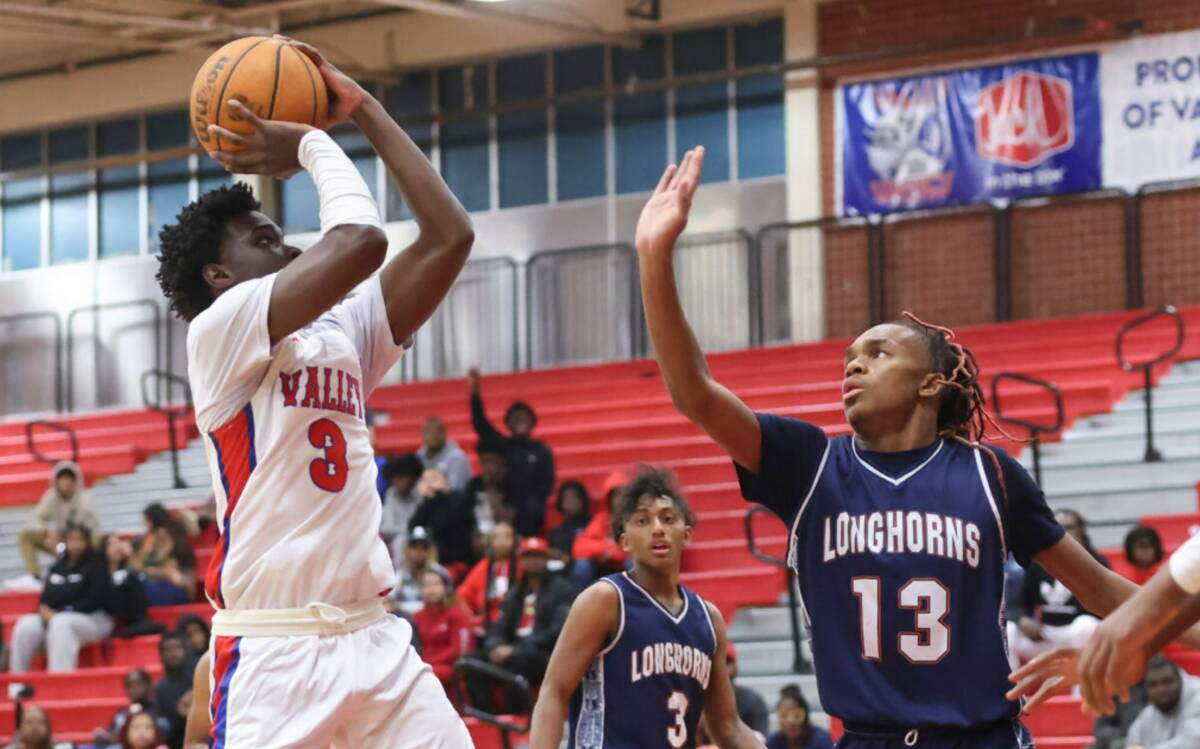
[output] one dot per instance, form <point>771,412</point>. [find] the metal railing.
<point>56,344</point>
<point>1036,429</point>
<point>718,278</point>
<point>96,310</point>
<point>1152,455</point>
<point>798,663</point>
<point>163,380</point>
<point>508,725</point>
<point>31,441</point>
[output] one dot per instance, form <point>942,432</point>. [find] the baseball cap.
<point>419,535</point>
<point>535,545</point>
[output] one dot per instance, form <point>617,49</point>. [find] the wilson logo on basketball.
<point>1025,119</point>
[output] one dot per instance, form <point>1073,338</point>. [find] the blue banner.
<point>1024,128</point>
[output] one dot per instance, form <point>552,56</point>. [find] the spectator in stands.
<point>530,462</point>
<point>195,633</point>
<point>796,730</point>
<point>177,678</point>
<point>573,503</point>
<point>595,551</point>
<point>484,587</point>
<point>126,600</point>
<point>449,518</point>
<point>65,503</point>
<point>142,731</point>
<point>443,625</point>
<point>751,707</point>
<point>1110,730</point>
<point>492,493</point>
<point>444,454</point>
<point>419,554</point>
<point>401,500</point>
<point>137,689</point>
<point>372,418</point>
<point>530,620</point>
<point>1073,523</point>
<point>33,731</point>
<point>1172,719</point>
<point>1144,552</point>
<point>165,559</point>
<point>70,611</point>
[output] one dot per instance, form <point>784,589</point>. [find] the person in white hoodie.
<point>65,503</point>
<point>1172,719</point>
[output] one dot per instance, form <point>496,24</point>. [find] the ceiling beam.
<point>480,12</point>
<point>128,19</point>
<point>60,33</point>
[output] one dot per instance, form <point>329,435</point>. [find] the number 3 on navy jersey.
<point>329,472</point>
<point>928,597</point>
<point>677,734</point>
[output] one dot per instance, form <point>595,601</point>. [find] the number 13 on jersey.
<point>929,642</point>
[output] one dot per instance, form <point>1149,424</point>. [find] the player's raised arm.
<point>417,279</point>
<point>592,620</point>
<point>695,393</point>
<point>353,244</point>
<point>720,707</point>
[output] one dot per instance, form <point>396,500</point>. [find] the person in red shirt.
<point>596,553</point>
<point>1144,552</point>
<point>443,625</point>
<point>484,587</point>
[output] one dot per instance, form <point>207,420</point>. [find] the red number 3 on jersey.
<point>328,473</point>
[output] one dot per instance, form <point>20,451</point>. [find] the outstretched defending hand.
<point>666,213</point>
<point>273,148</point>
<point>1047,675</point>
<point>345,95</point>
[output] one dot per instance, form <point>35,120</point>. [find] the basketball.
<point>273,79</point>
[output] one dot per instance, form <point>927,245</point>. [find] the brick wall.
<point>1067,258</point>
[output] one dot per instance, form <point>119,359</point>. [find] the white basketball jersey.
<point>292,464</point>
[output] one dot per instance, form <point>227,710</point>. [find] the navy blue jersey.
<point>900,559</point>
<point>646,688</point>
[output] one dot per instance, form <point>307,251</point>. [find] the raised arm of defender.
<point>708,403</point>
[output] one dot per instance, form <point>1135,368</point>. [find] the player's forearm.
<point>549,715</point>
<point>1110,591</point>
<point>738,736</point>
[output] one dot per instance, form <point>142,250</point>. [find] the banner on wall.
<point>1029,127</point>
<point>1151,109</point>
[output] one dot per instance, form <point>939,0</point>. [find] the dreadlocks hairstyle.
<point>962,414</point>
<point>655,482</point>
<point>192,242</point>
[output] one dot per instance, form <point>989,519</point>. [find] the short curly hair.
<point>653,482</point>
<point>193,241</point>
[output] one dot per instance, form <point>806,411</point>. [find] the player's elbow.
<point>693,400</point>
<point>364,245</point>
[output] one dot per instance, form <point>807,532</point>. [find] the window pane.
<point>579,140</point>
<point>578,69</point>
<point>702,112</point>
<point>21,152</point>
<point>410,102</point>
<point>760,127</point>
<point>522,136</point>
<point>640,120</point>
<point>119,222</point>
<point>69,226</point>
<point>117,137</point>
<point>465,160</point>
<point>299,207</point>
<point>167,199</point>
<point>213,180</point>
<point>22,231</point>
<point>69,144</point>
<point>758,43</point>
<point>167,130</point>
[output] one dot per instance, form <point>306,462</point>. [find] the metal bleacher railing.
<point>577,305</point>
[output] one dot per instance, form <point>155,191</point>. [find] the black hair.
<point>182,624</point>
<point>520,406</point>
<point>157,515</point>
<point>655,482</point>
<point>83,530</point>
<point>66,471</point>
<point>792,692</point>
<point>1143,533</point>
<point>194,241</point>
<point>408,464</point>
<point>489,446</point>
<point>577,486</point>
<point>1162,661</point>
<point>138,673</point>
<point>1087,539</point>
<point>171,636</point>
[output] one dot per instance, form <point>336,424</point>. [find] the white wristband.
<point>1185,565</point>
<point>344,196</point>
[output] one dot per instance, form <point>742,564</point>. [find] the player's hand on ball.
<point>1050,674</point>
<point>666,213</point>
<point>273,148</point>
<point>345,95</point>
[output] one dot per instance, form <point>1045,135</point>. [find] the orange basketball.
<point>273,79</point>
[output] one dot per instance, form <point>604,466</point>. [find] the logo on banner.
<point>1024,119</point>
<point>909,145</point>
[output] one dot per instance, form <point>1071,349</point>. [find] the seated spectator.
<point>165,558</point>
<point>530,620</point>
<point>70,611</point>
<point>573,502</point>
<point>400,502</point>
<point>450,520</point>
<point>126,600</point>
<point>796,731</point>
<point>1110,730</point>
<point>1074,524</point>
<point>419,554</point>
<point>595,551</point>
<point>484,587</point>
<point>751,707</point>
<point>65,503</point>
<point>137,689</point>
<point>444,454</point>
<point>530,462</point>
<point>492,493</point>
<point>141,731</point>
<point>1144,552</point>
<point>33,729</point>
<point>1172,719</point>
<point>177,677</point>
<point>443,625</point>
<point>195,633</point>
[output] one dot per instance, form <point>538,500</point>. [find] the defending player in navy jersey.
<point>898,532</point>
<point>641,657</point>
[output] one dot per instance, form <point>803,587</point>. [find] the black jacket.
<point>450,519</point>
<point>1047,600</point>
<point>126,597</point>
<point>550,613</point>
<point>530,468</point>
<point>563,537</point>
<point>81,587</point>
